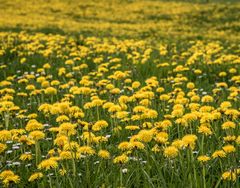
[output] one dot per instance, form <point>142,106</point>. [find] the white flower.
<point>125,170</point>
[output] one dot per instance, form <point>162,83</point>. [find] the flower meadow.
<point>96,111</point>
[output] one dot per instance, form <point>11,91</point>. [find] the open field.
<point>125,18</point>
<point>119,94</point>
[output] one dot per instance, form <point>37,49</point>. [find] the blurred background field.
<point>161,20</point>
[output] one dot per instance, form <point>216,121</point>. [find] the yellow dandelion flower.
<point>67,128</point>
<point>121,159</point>
<point>3,147</point>
<point>229,148</point>
<point>99,125</point>
<point>219,153</point>
<point>132,127</point>
<point>8,177</point>
<point>86,150</point>
<point>145,135</point>
<point>137,145</point>
<point>65,155</point>
<point>162,137</point>
<point>228,125</point>
<point>26,156</point>
<point>170,152</point>
<point>5,135</point>
<point>35,176</point>
<point>203,158</point>
<point>207,98</point>
<point>33,124</point>
<point>50,91</point>
<point>48,164</point>
<point>125,146</point>
<point>36,135</point>
<point>104,154</point>
<point>178,144</point>
<point>62,118</point>
<point>230,176</point>
<point>204,130</point>
<point>189,140</point>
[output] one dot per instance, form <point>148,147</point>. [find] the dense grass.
<point>147,167</point>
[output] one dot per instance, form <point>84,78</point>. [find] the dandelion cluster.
<point>108,112</point>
